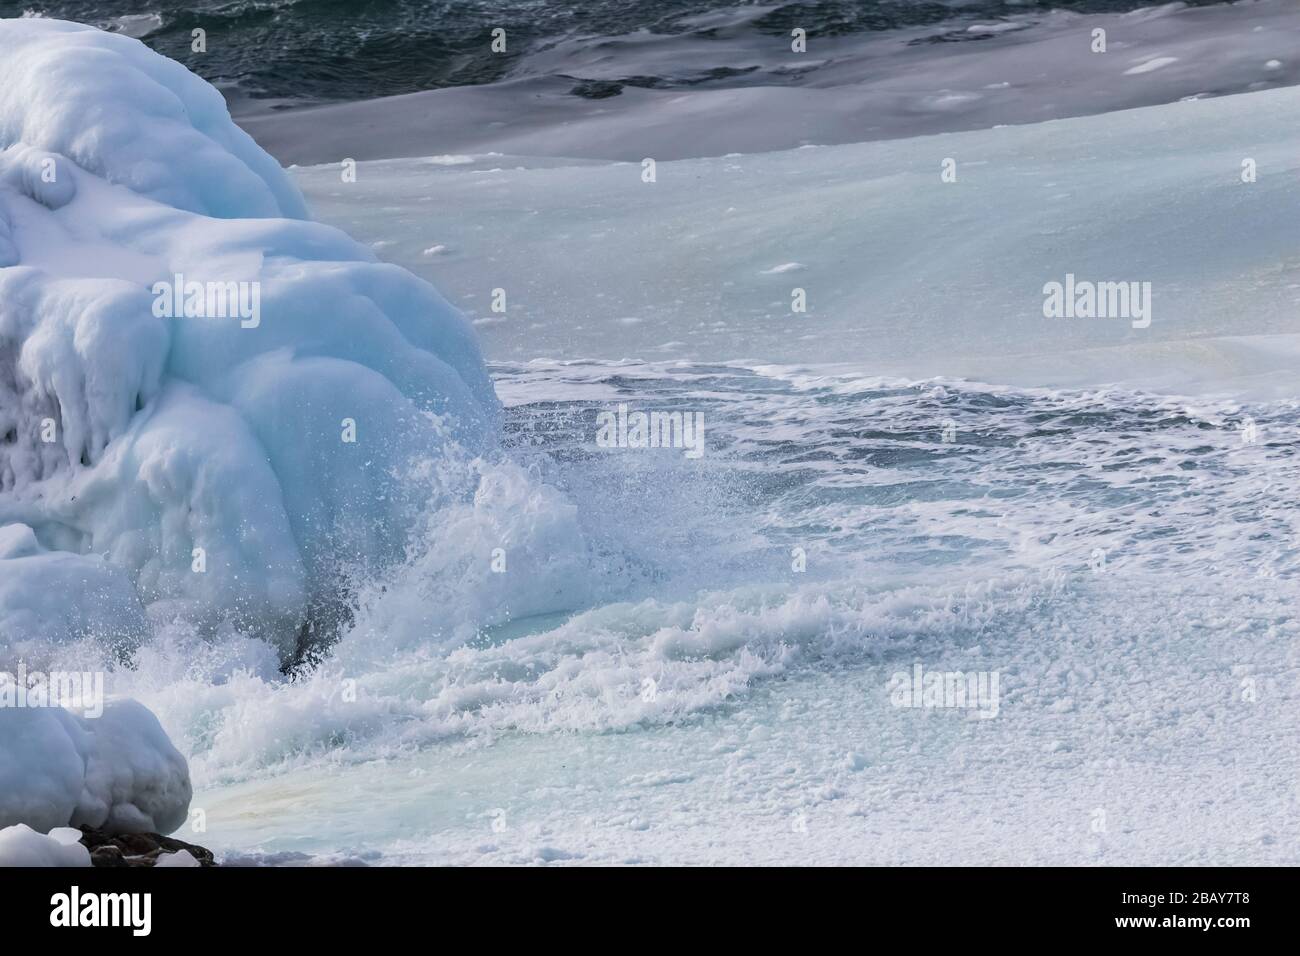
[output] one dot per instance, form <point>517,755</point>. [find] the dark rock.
<point>203,855</point>
<point>137,844</point>
<point>107,855</point>
<point>597,89</point>
<point>137,849</point>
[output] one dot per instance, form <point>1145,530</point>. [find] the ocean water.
<point>293,51</point>
<point>690,660</point>
<point>656,677</point>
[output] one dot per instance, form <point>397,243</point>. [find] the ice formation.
<point>117,772</point>
<point>198,467</point>
<point>218,469</point>
<point>944,278</point>
<point>20,845</point>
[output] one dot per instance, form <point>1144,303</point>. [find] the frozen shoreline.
<point>903,274</point>
<point>843,90</point>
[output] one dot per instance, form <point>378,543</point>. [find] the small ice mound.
<point>179,858</point>
<point>1150,65</point>
<point>783,268</point>
<point>21,846</point>
<point>201,393</point>
<point>138,25</point>
<point>117,772</point>
<point>1002,26</point>
<point>949,100</point>
<point>1273,65</point>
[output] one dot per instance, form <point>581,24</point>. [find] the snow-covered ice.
<point>206,469</point>
<point>181,858</point>
<point>117,772</point>
<point>208,459</point>
<point>20,845</point>
<point>903,272</point>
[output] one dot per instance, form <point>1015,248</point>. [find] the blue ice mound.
<point>115,771</point>
<point>206,400</point>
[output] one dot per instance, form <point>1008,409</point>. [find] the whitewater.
<point>476,637</point>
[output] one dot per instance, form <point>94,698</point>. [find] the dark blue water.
<point>329,50</point>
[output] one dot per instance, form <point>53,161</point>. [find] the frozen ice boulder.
<point>202,393</point>
<point>117,771</point>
